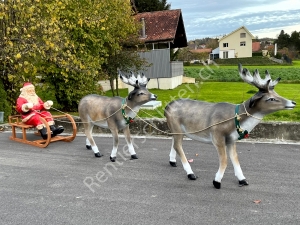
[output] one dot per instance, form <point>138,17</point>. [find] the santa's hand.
<point>27,106</point>
<point>48,104</point>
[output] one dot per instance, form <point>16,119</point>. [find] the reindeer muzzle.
<point>153,97</point>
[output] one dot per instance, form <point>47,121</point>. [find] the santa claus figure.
<point>31,107</point>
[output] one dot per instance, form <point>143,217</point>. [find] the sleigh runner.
<point>16,122</point>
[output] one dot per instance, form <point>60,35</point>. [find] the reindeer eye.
<point>271,99</point>
<point>141,93</point>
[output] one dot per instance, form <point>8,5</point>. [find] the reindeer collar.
<point>242,133</point>
<point>128,119</point>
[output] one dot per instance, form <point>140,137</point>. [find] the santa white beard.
<point>34,99</point>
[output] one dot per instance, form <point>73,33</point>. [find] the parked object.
<point>222,124</point>
<point>16,123</point>
<point>114,113</point>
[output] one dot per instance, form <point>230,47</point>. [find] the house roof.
<point>201,50</point>
<point>255,46</point>
<point>242,27</point>
<point>164,26</point>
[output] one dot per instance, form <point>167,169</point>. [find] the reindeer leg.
<point>90,143</point>
<point>129,143</point>
<point>221,147</point>
<point>236,164</point>
<point>113,154</point>
<point>173,155</point>
<point>178,148</point>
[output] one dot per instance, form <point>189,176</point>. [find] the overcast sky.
<point>214,18</point>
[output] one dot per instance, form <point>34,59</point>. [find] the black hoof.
<point>173,164</point>
<point>89,147</point>
<point>217,184</point>
<point>192,176</point>
<point>98,154</point>
<point>134,156</point>
<point>243,182</point>
<point>113,159</point>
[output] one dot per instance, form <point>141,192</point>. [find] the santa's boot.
<point>43,133</point>
<point>56,130</point>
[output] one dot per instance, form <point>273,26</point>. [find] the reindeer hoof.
<point>217,184</point>
<point>98,154</point>
<point>113,159</point>
<point>173,164</point>
<point>192,176</point>
<point>243,182</point>
<point>89,147</point>
<point>134,156</point>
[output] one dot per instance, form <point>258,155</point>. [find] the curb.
<point>288,131</point>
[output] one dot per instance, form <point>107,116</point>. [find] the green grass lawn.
<point>232,92</point>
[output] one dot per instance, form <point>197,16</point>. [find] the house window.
<point>225,45</point>
<point>225,55</point>
<point>243,43</point>
<point>242,35</point>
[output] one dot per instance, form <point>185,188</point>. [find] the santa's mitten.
<point>27,106</point>
<point>48,104</point>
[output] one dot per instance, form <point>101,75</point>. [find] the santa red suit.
<point>31,108</point>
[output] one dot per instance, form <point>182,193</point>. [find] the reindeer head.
<point>140,94</point>
<point>266,99</point>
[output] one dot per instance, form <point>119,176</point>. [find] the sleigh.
<point>16,123</point>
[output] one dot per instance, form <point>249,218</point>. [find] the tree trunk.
<point>111,81</point>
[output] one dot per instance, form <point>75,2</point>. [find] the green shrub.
<point>4,104</point>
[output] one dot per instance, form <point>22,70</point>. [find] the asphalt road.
<point>65,184</point>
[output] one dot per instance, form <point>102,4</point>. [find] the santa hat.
<point>26,86</point>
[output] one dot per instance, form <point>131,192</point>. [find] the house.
<point>161,32</point>
<point>237,44</point>
<point>256,46</point>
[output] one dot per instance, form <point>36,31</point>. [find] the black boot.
<point>43,132</point>
<point>56,130</point>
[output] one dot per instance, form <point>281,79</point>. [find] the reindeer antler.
<point>256,80</point>
<point>138,81</point>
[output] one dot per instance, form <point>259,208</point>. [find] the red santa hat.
<point>26,86</point>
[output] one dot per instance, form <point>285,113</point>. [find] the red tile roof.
<point>255,46</point>
<point>164,26</point>
<point>201,50</point>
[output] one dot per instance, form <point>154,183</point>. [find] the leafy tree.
<point>64,43</point>
<point>212,43</point>
<point>295,40</point>
<point>151,5</point>
<point>283,39</point>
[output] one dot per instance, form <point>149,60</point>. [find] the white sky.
<point>215,18</point>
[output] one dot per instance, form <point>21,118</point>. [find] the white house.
<point>237,44</point>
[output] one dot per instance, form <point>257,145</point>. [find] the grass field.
<point>232,92</point>
<point>223,84</point>
<point>288,74</point>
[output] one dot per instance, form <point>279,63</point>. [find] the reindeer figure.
<point>114,113</point>
<point>222,124</point>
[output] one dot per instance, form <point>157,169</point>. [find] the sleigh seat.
<point>15,122</point>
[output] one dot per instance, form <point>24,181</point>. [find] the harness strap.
<point>242,133</point>
<point>128,119</point>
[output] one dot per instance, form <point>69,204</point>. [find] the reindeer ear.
<point>255,98</point>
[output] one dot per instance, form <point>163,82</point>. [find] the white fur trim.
<point>26,87</point>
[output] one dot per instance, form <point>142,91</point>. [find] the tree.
<point>295,41</point>
<point>212,43</point>
<point>64,43</point>
<point>151,5</point>
<point>283,39</point>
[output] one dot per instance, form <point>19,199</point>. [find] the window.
<point>242,35</point>
<point>225,45</point>
<point>243,43</point>
<point>225,55</point>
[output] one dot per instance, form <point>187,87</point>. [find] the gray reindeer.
<point>222,124</point>
<point>114,113</point>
